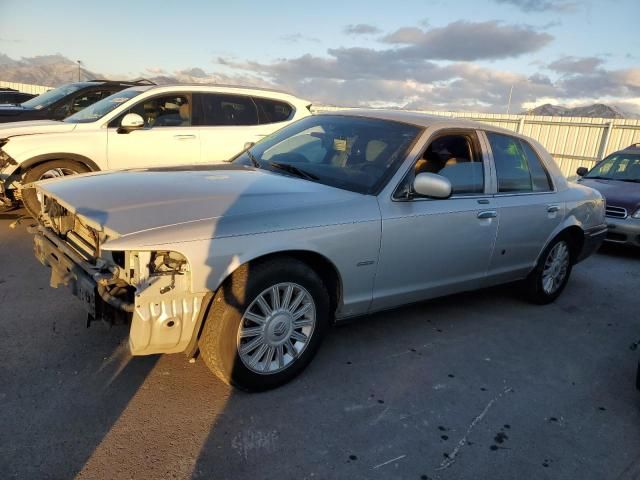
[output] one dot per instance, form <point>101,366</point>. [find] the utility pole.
<point>509,102</point>
<point>79,66</point>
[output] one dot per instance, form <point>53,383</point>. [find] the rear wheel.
<point>266,324</point>
<point>547,281</point>
<point>44,171</point>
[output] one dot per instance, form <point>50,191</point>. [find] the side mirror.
<point>582,171</point>
<point>432,185</point>
<point>131,121</point>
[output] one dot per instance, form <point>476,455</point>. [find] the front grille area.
<point>70,228</point>
<point>616,212</point>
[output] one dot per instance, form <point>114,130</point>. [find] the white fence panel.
<point>25,87</point>
<point>572,141</point>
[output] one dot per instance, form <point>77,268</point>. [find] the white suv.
<point>142,126</point>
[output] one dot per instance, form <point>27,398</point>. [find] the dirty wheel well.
<point>321,265</point>
<point>575,235</point>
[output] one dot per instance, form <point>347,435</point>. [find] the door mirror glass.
<point>131,121</point>
<point>582,171</point>
<point>432,185</point>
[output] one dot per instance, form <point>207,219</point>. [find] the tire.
<point>235,307</point>
<point>546,282</point>
<point>51,169</point>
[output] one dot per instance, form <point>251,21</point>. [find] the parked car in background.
<point>11,96</point>
<point>334,216</point>
<point>617,177</point>
<point>142,126</point>
<point>59,103</point>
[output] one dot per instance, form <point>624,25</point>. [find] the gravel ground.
<point>473,386</point>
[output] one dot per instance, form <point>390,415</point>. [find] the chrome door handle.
<point>184,137</point>
<point>553,208</point>
<point>488,214</point>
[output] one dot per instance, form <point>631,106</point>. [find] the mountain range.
<point>597,110</point>
<point>56,70</point>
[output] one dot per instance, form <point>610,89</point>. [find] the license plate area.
<point>85,291</point>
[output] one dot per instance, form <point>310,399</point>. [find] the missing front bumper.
<point>160,322</point>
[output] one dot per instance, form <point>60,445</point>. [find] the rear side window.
<point>539,177</point>
<point>272,111</point>
<point>224,110</point>
<point>517,166</point>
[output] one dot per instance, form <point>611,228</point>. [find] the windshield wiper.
<point>253,159</point>
<point>298,172</point>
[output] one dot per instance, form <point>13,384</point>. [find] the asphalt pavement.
<point>475,386</point>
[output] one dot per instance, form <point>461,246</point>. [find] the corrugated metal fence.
<point>25,87</point>
<point>573,141</point>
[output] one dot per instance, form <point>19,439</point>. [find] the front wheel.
<point>266,324</point>
<point>547,281</point>
<point>45,171</point>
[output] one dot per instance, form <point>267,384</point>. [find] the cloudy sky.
<point>437,54</point>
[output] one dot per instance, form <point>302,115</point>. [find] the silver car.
<point>334,216</point>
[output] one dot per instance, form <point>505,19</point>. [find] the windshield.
<point>353,153</point>
<point>100,109</point>
<point>619,166</point>
<point>52,96</point>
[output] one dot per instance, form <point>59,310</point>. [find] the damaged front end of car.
<point>150,290</point>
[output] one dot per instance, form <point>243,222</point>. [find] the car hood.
<point>12,109</point>
<point>34,127</point>
<point>616,192</point>
<point>171,205</point>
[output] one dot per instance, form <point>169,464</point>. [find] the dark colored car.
<point>63,101</point>
<point>12,96</point>
<point>617,178</point>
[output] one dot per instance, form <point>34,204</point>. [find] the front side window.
<point>227,110</point>
<point>174,110</point>
<point>99,109</point>
<point>518,168</point>
<point>619,166</point>
<point>352,153</point>
<point>86,99</point>
<point>454,157</point>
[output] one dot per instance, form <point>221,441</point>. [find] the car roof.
<point>633,148</point>
<point>419,119</point>
<point>221,88</point>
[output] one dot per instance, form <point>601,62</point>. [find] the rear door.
<point>527,204</point>
<point>228,122</point>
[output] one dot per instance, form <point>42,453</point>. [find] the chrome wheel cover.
<point>555,268</point>
<point>276,328</point>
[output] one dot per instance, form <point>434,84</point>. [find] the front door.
<point>167,138</point>
<point>435,247</point>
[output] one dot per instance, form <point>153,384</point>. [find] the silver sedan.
<point>334,216</point>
